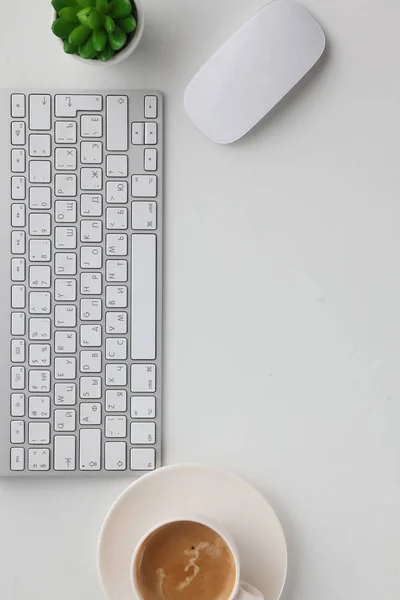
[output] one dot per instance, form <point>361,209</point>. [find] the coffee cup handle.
<point>248,592</point>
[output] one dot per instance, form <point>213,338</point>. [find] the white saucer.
<point>193,489</point>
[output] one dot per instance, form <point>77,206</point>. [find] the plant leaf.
<point>69,48</point>
<point>70,2</point>
<point>109,24</point>
<point>61,28</point>
<point>106,54</point>
<point>58,5</point>
<point>128,24</point>
<point>87,50</point>
<point>79,35</point>
<point>85,3</point>
<point>102,5</point>
<point>95,20</point>
<point>69,14</point>
<point>117,38</point>
<point>119,9</point>
<point>99,39</point>
<point>83,15</point>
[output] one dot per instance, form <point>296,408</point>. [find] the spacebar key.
<point>143,296</point>
<point>117,123</point>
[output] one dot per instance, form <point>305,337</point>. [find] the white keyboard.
<point>85,188</point>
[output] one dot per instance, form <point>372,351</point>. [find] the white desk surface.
<point>282,307</point>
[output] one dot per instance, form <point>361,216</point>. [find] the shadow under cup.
<point>184,560</point>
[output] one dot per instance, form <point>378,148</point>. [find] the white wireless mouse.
<point>253,70</point>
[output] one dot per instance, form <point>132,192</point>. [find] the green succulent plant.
<point>94,29</point>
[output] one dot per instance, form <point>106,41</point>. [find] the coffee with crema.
<point>185,560</point>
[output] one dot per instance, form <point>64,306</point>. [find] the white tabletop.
<point>282,307</point>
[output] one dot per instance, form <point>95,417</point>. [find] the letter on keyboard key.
<point>65,394</point>
<point>39,112</point>
<point>65,420</point>
<point>64,453</point>
<point>89,449</point>
<point>115,456</point>
<point>117,123</point>
<point>68,106</point>
<point>65,185</point>
<point>17,459</point>
<point>144,186</point>
<point>143,297</point>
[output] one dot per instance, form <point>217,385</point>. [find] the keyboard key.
<point>116,348</point>
<point>117,270</point>
<point>65,238</point>
<point>39,433</point>
<point>143,297</point>
<point>116,218</point>
<point>116,296</point>
<point>65,289</point>
<point>91,231</point>
<point>64,420</point>
<point>90,387</point>
<point>91,153</point>
<point>90,361</point>
<point>39,303</point>
<point>18,296</point>
<point>116,244</point>
<point>18,192</point>
<point>39,407</point>
<point>115,400</point>
<point>17,459</point>
<point>40,145</point>
<point>143,433</point>
<point>91,178</point>
<point>65,342</point>
<point>18,133</point>
<point>89,449</point>
<point>150,133</point>
<point>91,205</point>
<point>150,159</point>
<point>138,134</point>
<point>18,243</point>
<point>39,329</point>
<point>65,185</point>
<point>90,413</point>
<point>144,186</point>
<point>39,112</point>
<point>39,224</point>
<point>65,211</point>
<point>65,159</point>
<point>17,408</point>
<point>18,215</point>
<point>65,263</point>
<point>91,283</point>
<point>65,394</point>
<point>39,277</point>
<point>116,322</point>
<point>18,161</point>
<point>150,107</point>
<point>39,460</point>
<point>17,323</point>
<point>117,192</point>
<point>64,453</point>
<point>65,132</point>
<point>18,269</point>
<point>91,336</point>
<point>143,407</point>
<point>117,123</point>
<point>17,432</point>
<point>91,126</point>
<point>144,215</point>
<point>115,427</point>
<point>117,165</point>
<point>39,381</point>
<point>18,106</point>
<point>39,198</point>
<point>143,459</point>
<point>116,375</point>
<point>65,368</point>
<point>143,378</point>
<point>39,355</point>
<point>69,106</point>
<point>65,315</point>
<point>115,456</point>
<point>39,250</point>
<point>40,171</point>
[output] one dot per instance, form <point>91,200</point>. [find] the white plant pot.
<point>122,54</point>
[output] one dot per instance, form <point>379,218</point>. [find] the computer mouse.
<point>253,70</point>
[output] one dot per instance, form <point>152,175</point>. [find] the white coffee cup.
<point>241,589</point>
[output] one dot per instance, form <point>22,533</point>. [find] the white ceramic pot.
<point>122,54</point>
